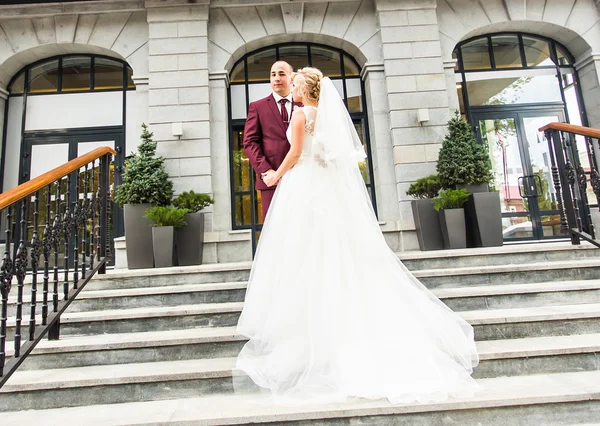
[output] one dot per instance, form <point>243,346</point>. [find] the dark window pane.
<point>476,55</point>
<point>259,65</point>
<point>76,73</point>
<point>455,57</point>
<point>108,74</point>
<point>364,164</point>
<point>537,52</point>
<point>18,85</point>
<point>243,210</point>
<point>506,52</point>
<point>130,83</point>
<point>563,57</point>
<point>328,61</point>
<point>354,92</point>
<point>296,56</point>
<point>241,165</point>
<point>350,68</point>
<point>44,78</point>
<point>461,99</point>
<point>238,73</point>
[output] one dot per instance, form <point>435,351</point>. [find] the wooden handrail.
<point>13,195</point>
<point>570,128</point>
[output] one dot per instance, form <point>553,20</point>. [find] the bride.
<point>330,311</point>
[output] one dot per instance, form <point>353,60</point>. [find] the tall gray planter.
<point>427,224</point>
<point>190,240</point>
<point>474,188</point>
<point>452,222</point>
<point>164,246</point>
<point>138,236</point>
<point>484,220</point>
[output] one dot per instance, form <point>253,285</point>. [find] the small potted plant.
<point>463,163</point>
<point>450,204</point>
<point>165,220</point>
<point>145,184</point>
<point>190,239</point>
<point>426,218</point>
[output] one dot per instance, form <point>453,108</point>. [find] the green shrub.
<point>451,199</point>
<point>461,159</point>
<point>144,177</point>
<point>426,187</point>
<point>167,216</point>
<point>192,201</point>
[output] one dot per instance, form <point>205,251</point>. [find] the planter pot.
<point>164,246</point>
<point>474,188</point>
<point>484,220</point>
<point>454,232</point>
<point>427,223</point>
<point>190,240</point>
<point>138,236</point>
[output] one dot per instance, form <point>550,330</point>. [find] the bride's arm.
<point>297,123</point>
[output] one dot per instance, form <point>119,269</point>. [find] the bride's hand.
<point>270,178</point>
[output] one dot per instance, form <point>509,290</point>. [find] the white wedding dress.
<point>330,311</point>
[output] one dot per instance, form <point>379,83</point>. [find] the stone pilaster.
<point>179,91</point>
<point>588,69</point>
<point>3,106</point>
<point>415,79</point>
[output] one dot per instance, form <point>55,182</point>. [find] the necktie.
<point>284,114</point>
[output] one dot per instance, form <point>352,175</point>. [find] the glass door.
<point>521,169</point>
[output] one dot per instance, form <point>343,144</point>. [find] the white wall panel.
<point>13,142</point>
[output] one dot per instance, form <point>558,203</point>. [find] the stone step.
<point>458,299</point>
<point>176,379</point>
<point>173,295</point>
<point>489,324</point>
<point>490,256</point>
<point>564,398</point>
<point>526,273</point>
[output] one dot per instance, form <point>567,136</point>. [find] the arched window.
<point>250,82</point>
<point>73,73</point>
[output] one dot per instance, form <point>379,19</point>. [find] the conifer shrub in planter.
<point>145,183</point>
<point>190,239</point>
<point>426,219</point>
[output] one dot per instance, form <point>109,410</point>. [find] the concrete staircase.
<point>158,346</point>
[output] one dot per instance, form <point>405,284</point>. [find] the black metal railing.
<point>569,161</point>
<point>59,220</point>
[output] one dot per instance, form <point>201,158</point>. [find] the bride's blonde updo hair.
<point>310,78</point>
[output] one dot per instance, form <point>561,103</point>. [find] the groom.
<point>265,142</point>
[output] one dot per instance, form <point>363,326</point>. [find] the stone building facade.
<point>181,55</point>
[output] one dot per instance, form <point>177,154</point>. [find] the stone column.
<point>415,80</point>
<point>588,69</point>
<point>3,106</point>
<point>178,91</point>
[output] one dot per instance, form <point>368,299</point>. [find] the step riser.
<point>500,259</point>
<point>536,329</point>
<point>525,277</point>
<point>181,388</point>
<point>497,331</point>
<point>522,300</point>
<point>146,301</point>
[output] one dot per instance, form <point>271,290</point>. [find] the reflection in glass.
<point>243,210</point>
<point>259,65</point>
<point>44,78</point>
<point>476,55</point>
<point>328,61</point>
<point>238,101</point>
<point>238,75</point>
<point>537,52</point>
<point>241,164</point>
<point>18,85</point>
<point>507,53</point>
<point>507,89</point>
<point>296,56</point>
<point>130,83</point>
<point>562,56</point>
<point>354,92</point>
<point>350,68</point>
<point>363,165</point>
<point>76,73</point>
<point>108,74</point>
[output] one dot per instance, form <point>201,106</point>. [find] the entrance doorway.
<point>522,169</point>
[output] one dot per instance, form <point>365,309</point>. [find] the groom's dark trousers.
<point>265,143</point>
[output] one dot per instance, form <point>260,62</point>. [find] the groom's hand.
<point>269,178</point>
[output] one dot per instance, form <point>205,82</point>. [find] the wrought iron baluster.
<point>36,245</point>
<point>47,247</point>
<point>84,222</point>
<point>594,175</point>
<point>570,174</point>
<point>550,134</point>
<point>20,271</point>
<point>94,205</point>
<point>54,332</point>
<point>6,274</point>
<point>76,225</point>
<point>66,229</point>
<point>103,207</point>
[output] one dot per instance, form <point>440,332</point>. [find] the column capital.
<point>589,58</point>
<point>370,67</point>
<point>450,64</point>
<point>220,76</point>
<point>3,93</point>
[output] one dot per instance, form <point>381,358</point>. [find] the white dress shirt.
<point>288,105</point>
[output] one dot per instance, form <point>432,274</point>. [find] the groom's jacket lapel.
<point>276,114</point>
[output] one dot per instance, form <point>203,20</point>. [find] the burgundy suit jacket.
<point>265,142</point>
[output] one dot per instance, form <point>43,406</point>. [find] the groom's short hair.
<point>291,68</point>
